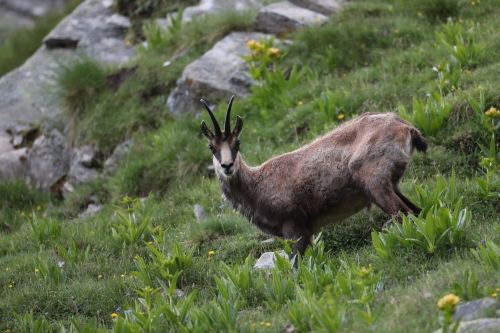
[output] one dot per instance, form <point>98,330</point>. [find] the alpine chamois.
<point>335,176</point>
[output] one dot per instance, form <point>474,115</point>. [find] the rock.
<point>325,7</point>
<point>282,17</point>
<point>5,145</point>
<point>215,7</point>
<point>23,134</point>
<point>484,325</point>
<point>481,308</point>
<point>266,260</point>
<point>219,73</point>
<point>81,171</point>
<point>12,164</point>
<point>120,21</point>
<point>91,211</point>
<point>113,162</point>
<point>178,294</point>
<point>48,160</point>
<point>199,212</point>
<point>268,241</point>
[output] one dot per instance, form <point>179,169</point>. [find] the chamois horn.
<point>227,127</point>
<point>214,121</point>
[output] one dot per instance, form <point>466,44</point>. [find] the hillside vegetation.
<point>433,62</point>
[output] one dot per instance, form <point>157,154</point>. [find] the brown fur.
<point>326,181</point>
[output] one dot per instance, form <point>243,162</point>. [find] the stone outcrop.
<point>217,74</point>
<point>267,259</point>
<point>48,160</point>
<point>283,17</point>
<point>325,7</point>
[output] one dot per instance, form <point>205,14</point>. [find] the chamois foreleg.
<point>414,208</point>
<point>296,231</point>
<point>384,196</point>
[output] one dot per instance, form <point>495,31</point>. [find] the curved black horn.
<point>214,121</point>
<point>227,127</point>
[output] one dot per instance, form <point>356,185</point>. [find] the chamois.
<point>293,195</point>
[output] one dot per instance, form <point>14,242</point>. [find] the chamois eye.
<point>237,144</point>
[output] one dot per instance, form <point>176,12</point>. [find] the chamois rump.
<point>335,176</point>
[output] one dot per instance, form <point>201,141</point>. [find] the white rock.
<point>266,260</point>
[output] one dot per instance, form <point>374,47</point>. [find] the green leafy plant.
<point>488,254</point>
<point>43,231</point>
<point>28,323</point>
<point>462,46</point>
<point>448,78</point>
<point>428,116</point>
<point>468,286</point>
<point>129,230</point>
<point>318,313</point>
<point>240,282</point>
<point>52,273</point>
<point>73,255</point>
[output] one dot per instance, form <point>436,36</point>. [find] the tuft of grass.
<point>78,82</point>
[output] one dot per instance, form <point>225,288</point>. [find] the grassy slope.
<point>372,56</point>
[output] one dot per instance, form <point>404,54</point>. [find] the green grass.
<point>371,57</point>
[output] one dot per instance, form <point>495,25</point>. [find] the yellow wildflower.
<point>22,214</point>
<point>396,31</point>
<point>273,52</point>
<point>136,257</point>
<point>494,295</point>
<point>123,275</point>
<point>99,276</point>
<point>492,113</point>
<point>127,43</point>
<point>114,315</point>
<point>36,270</point>
<point>252,44</point>
<point>318,20</point>
<point>262,323</point>
<point>209,258</point>
<point>38,207</point>
<point>7,269</point>
<point>268,324</point>
<point>450,299</point>
<point>340,116</point>
<point>211,253</point>
<point>299,102</point>
<point>473,3</point>
<point>150,243</point>
<point>10,285</point>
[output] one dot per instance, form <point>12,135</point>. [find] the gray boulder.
<point>484,325</point>
<point>325,7</point>
<point>12,164</point>
<point>113,162</point>
<point>217,74</point>
<point>283,17</point>
<point>81,170</point>
<point>481,308</point>
<point>48,160</point>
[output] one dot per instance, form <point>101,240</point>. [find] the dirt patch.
<point>116,79</point>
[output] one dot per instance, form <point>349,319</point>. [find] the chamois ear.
<point>238,127</point>
<point>207,133</point>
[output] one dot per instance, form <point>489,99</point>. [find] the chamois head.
<point>224,145</point>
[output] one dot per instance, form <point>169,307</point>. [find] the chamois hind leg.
<point>414,208</point>
<point>296,231</point>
